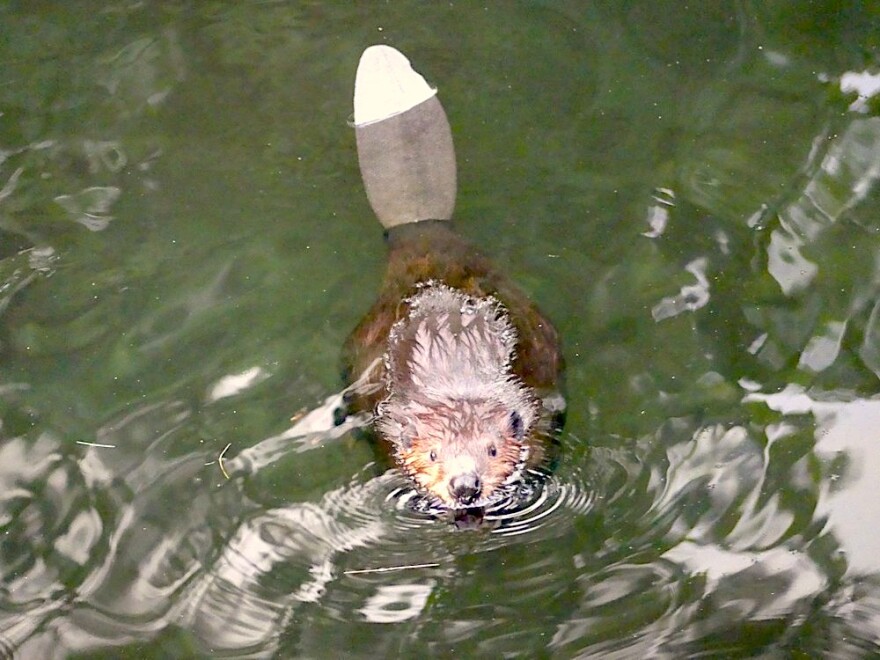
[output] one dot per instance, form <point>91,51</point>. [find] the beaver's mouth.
<point>471,518</point>
<point>426,501</point>
<point>499,498</point>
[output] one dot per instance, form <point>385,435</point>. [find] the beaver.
<point>460,370</point>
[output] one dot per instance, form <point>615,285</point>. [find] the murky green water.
<point>690,193</point>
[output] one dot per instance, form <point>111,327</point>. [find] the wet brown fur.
<point>432,251</point>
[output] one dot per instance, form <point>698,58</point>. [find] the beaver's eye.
<point>516,426</point>
<point>493,452</point>
<point>433,455</point>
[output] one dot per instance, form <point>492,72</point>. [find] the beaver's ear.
<point>517,427</point>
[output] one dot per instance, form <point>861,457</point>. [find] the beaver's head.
<point>461,452</point>
<point>456,415</point>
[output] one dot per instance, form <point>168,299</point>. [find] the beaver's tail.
<point>403,140</point>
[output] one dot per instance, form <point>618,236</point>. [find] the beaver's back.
<point>432,251</point>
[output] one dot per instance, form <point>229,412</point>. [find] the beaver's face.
<point>460,452</point>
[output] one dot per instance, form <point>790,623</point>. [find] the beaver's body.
<point>458,367</point>
<point>465,367</point>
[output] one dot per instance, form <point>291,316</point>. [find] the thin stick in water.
<point>387,569</point>
<point>220,460</point>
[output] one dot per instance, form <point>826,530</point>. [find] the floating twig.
<point>387,569</point>
<point>220,460</point>
<point>95,444</point>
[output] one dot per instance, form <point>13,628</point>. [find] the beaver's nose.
<point>465,487</point>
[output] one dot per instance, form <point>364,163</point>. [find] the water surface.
<point>690,193</point>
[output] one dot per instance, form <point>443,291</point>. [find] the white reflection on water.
<point>822,349</point>
<point>91,207</point>
<point>850,501</point>
<point>393,603</point>
<point>716,564</point>
<point>272,563</point>
<point>691,297</point>
<point>311,431</point>
<point>851,164</point>
<point>862,83</point>
<point>232,384</point>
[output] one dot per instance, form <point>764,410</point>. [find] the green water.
<point>689,190</point>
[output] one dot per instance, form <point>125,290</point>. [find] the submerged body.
<point>465,369</point>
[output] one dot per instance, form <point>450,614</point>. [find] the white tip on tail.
<point>404,144</point>
<point>386,85</point>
